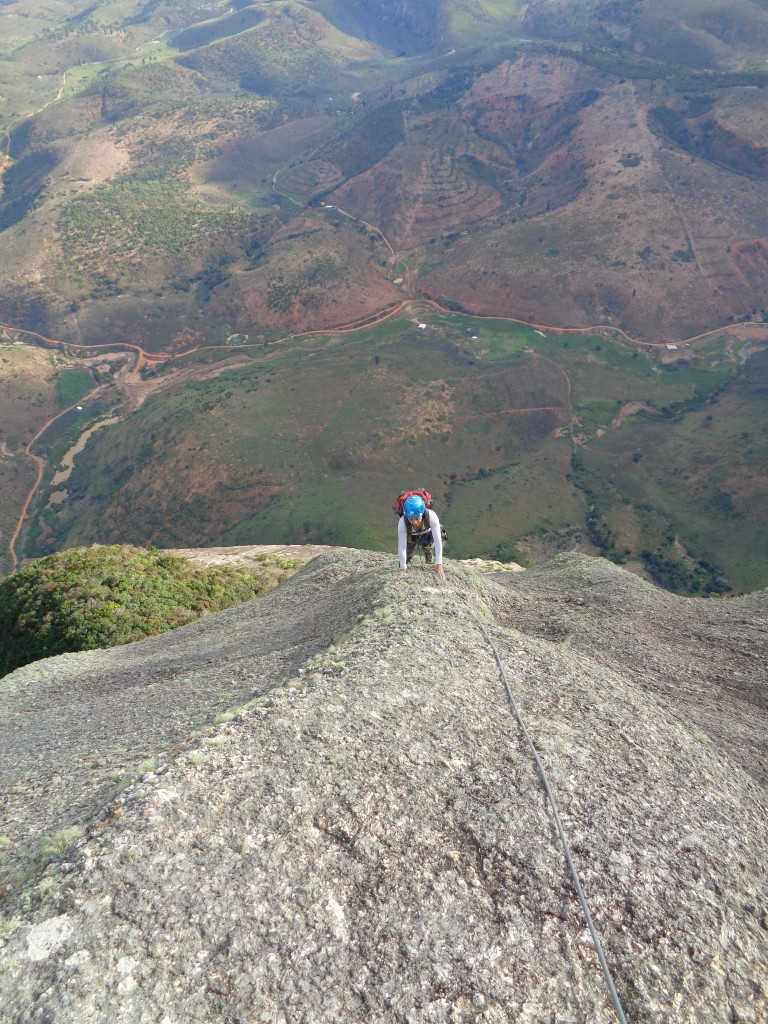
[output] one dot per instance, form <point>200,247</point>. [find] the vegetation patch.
<point>119,227</point>
<point>217,28</point>
<point>88,598</point>
<point>269,59</point>
<point>73,384</point>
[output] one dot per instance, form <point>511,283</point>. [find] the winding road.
<point>135,390</point>
<point>135,394</point>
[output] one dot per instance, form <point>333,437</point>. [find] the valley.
<point>507,419</point>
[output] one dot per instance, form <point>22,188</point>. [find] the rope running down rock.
<point>551,797</point>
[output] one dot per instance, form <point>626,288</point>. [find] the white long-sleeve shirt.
<point>437,540</point>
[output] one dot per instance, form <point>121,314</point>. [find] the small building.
<point>672,348</point>
<point>421,327</point>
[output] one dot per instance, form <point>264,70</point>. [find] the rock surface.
<point>247,556</point>
<point>369,839</point>
<point>250,556</point>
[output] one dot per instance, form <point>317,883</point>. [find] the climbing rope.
<point>551,797</point>
<point>423,564</point>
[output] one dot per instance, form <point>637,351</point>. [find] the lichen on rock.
<point>372,841</point>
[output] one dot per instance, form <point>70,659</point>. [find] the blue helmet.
<point>414,507</point>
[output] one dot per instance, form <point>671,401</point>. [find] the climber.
<point>419,527</point>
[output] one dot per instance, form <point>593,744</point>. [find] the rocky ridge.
<point>367,838</point>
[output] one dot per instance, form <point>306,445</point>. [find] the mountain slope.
<point>370,839</point>
<point>543,179</point>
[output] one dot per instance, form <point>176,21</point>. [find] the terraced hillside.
<point>568,185</point>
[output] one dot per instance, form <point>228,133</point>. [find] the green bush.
<point>88,598</point>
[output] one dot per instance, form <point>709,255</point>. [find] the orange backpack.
<point>397,508</point>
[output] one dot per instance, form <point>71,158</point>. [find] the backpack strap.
<point>418,533</point>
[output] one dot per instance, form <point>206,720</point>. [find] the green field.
<point>73,385</point>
